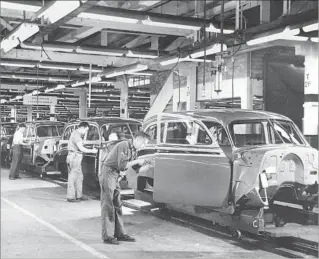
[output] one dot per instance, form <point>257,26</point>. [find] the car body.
<point>99,135</point>
<point>7,130</point>
<point>43,137</point>
<point>218,164</point>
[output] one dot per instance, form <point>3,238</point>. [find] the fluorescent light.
<point>110,18</point>
<point>35,92</point>
<point>49,90</point>
<point>20,34</point>
<point>296,38</point>
<point>19,97</point>
<point>20,6</point>
<point>213,49</point>
<point>140,74</point>
<point>58,66</point>
<point>286,33</point>
<point>48,46</point>
<point>125,70</point>
<point>88,50</point>
<point>139,67</point>
<point>140,54</point>
<point>87,69</point>
<point>212,28</point>
<point>16,64</point>
<point>78,84</point>
<point>151,21</point>
<point>310,27</point>
<point>59,79</point>
<point>148,2</point>
<point>57,10</point>
<point>169,61</point>
<point>59,87</point>
<point>3,101</point>
<point>313,39</point>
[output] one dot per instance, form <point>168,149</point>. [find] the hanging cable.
<point>37,91</point>
<point>204,74</point>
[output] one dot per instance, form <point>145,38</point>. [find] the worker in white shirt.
<point>17,150</point>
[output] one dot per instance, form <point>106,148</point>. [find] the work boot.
<point>72,200</point>
<point>82,199</point>
<point>111,241</point>
<point>126,238</point>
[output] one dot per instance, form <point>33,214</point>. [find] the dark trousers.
<point>16,161</point>
<point>111,204</point>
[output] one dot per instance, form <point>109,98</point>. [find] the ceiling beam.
<point>78,34</point>
<point>75,58</point>
<point>136,42</point>
<point>6,25</point>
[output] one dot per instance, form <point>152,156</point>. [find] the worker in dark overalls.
<point>74,162</point>
<point>17,152</point>
<point>122,156</point>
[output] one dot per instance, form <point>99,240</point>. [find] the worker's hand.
<point>94,150</point>
<point>138,161</point>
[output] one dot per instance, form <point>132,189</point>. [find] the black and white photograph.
<point>159,129</point>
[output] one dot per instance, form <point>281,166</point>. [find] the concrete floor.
<point>37,222</point>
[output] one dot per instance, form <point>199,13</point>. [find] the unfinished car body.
<point>7,130</point>
<point>43,137</point>
<point>233,167</point>
<point>103,133</point>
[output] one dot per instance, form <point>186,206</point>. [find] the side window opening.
<point>93,133</point>
<point>220,137</point>
<point>67,133</point>
<point>152,132</point>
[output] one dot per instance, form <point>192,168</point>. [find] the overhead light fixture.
<point>16,63</point>
<point>49,47</point>
<point>35,92</point>
<point>286,33</point>
<point>212,28</point>
<point>19,34</point>
<point>78,84</point>
<point>124,70</point>
<point>19,97</point>
<point>100,51</point>
<point>213,49</point>
<point>136,54</point>
<point>56,10</point>
<point>62,79</point>
<point>20,6</point>
<point>136,68</point>
<point>169,61</point>
<point>153,21</point>
<point>148,2</point>
<point>48,90</point>
<point>140,74</point>
<point>58,66</point>
<point>59,87</point>
<point>310,27</point>
<point>107,17</point>
<point>296,38</point>
<point>87,69</point>
<point>313,39</point>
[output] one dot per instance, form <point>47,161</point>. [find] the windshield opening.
<point>264,132</point>
<point>47,131</point>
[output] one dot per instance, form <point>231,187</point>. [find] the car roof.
<point>44,122</point>
<point>8,123</point>
<point>106,120</point>
<point>226,116</point>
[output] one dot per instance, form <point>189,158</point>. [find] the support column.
<point>29,112</point>
<point>247,93</point>
<point>52,113</point>
<point>264,11</point>
<point>124,99</point>
<point>310,119</point>
<point>193,94</point>
<point>13,114</point>
<point>82,104</point>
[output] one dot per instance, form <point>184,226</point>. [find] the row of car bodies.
<point>225,165</point>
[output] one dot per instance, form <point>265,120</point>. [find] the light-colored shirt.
<point>17,138</point>
<point>75,138</point>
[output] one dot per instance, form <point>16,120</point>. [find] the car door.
<point>196,173</point>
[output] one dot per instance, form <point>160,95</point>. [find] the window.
<point>26,132</point>
<point>285,132</point>
<point>139,80</point>
<point>135,127</point>
<point>188,133</point>
<point>60,129</point>
<point>152,132</point>
<point>248,134</point>
<point>47,131</point>
<point>93,133</point>
<point>67,132</point>
<point>220,137</point>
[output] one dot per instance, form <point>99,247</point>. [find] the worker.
<point>74,162</point>
<point>121,157</point>
<point>17,152</point>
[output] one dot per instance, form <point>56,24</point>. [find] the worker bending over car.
<point>121,157</point>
